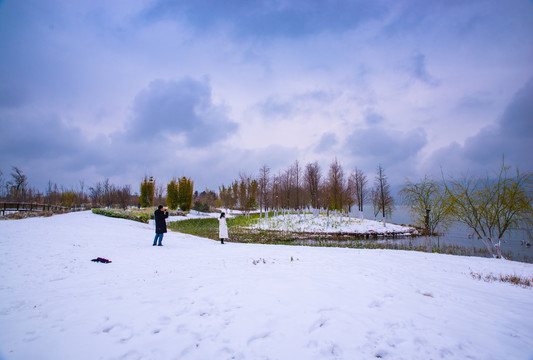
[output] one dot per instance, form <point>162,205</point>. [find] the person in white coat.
<point>222,228</point>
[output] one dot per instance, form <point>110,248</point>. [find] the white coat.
<point>222,228</point>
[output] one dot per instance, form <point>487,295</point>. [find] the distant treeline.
<point>17,188</point>
<point>306,186</point>
<point>104,193</point>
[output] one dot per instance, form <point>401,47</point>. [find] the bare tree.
<point>359,183</point>
<point>82,195</point>
<point>492,206</point>
<point>296,177</point>
<point>108,192</point>
<point>285,188</point>
<point>276,191</point>
<point>123,196</point>
<point>52,194</point>
<point>312,179</point>
<point>226,197</point>
<point>336,187</point>
<point>245,180</point>
<point>382,199</point>
<point>247,192</point>
<point>264,184</point>
<point>96,194</point>
<point>1,184</point>
<point>159,194</point>
<point>19,184</point>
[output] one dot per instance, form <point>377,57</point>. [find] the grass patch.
<point>208,228</point>
<point>121,214</point>
<point>513,279</point>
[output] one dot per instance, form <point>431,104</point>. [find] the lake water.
<point>513,242</point>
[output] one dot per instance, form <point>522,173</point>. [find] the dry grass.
<point>518,280</point>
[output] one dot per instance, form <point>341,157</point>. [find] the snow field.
<point>197,299</point>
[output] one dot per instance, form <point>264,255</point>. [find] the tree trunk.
<point>495,249</point>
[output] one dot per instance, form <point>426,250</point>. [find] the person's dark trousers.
<point>160,236</point>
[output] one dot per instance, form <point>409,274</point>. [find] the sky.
<point>206,89</point>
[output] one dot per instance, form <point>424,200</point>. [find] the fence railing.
<point>22,206</point>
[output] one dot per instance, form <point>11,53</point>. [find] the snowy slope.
<point>197,299</point>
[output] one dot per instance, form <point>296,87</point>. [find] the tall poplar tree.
<point>147,192</point>
<point>185,193</point>
<point>172,195</point>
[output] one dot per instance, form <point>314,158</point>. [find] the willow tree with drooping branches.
<point>428,203</point>
<point>491,206</point>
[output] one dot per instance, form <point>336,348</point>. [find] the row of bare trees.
<point>104,193</point>
<point>298,187</point>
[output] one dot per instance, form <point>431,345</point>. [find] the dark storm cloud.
<point>38,137</point>
<point>511,136</point>
<point>420,15</point>
<point>420,72</point>
<point>326,143</point>
<point>373,119</point>
<point>473,103</point>
<point>38,50</point>
<point>378,144</point>
<point>215,171</point>
<point>274,107</point>
<point>12,96</point>
<point>270,18</point>
<point>167,109</point>
<point>47,149</point>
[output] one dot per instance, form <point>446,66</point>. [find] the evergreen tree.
<point>147,192</point>
<point>185,193</point>
<point>172,195</point>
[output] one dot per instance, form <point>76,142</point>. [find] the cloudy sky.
<point>207,89</point>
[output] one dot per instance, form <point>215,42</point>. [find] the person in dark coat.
<point>160,224</point>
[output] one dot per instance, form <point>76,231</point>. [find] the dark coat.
<point>160,223</point>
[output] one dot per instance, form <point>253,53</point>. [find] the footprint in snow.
<point>123,333</point>
<point>375,304</point>
<point>259,336</point>
<point>318,324</point>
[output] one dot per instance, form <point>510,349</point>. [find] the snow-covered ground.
<point>194,298</point>
<point>329,224</point>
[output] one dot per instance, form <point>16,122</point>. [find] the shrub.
<point>140,217</point>
<point>201,207</point>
